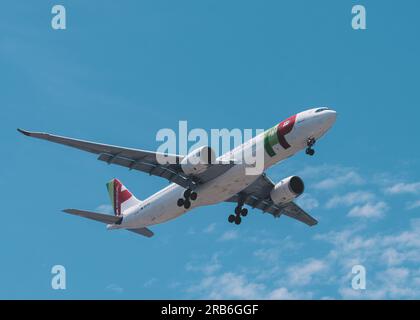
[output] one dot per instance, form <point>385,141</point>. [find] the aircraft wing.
<point>257,195</point>
<point>141,160</point>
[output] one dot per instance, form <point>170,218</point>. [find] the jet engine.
<point>198,160</point>
<point>287,190</point>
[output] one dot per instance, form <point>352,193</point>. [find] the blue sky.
<point>121,72</point>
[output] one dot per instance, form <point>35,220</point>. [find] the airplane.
<point>207,181</point>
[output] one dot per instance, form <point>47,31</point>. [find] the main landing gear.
<point>189,196</point>
<point>310,143</point>
<point>239,211</point>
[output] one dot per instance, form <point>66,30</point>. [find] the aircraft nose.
<point>331,117</point>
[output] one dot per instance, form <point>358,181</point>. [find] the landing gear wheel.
<point>187,193</point>
<point>238,220</point>
<point>180,202</point>
<point>193,196</point>
<point>310,143</point>
<point>244,212</point>
<point>238,210</point>
<point>187,204</point>
<point>310,152</point>
<point>231,218</point>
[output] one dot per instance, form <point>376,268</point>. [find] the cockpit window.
<point>321,109</point>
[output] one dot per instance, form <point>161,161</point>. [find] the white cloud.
<point>391,261</point>
<point>328,177</point>
<point>114,288</point>
<point>231,285</point>
<point>403,188</point>
<point>369,210</point>
<point>308,202</point>
<point>392,283</point>
<point>149,283</point>
<point>284,294</point>
<point>406,239</point>
<point>105,208</point>
<point>349,178</point>
<point>267,254</point>
<point>191,231</point>
<point>207,267</point>
<point>387,259</point>
<point>392,257</point>
<point>229,235</point>
<point>228,286</point>
<point>302,274</point>
<point>350,199</point>
<point>413,205</point>
<point>210,228</point>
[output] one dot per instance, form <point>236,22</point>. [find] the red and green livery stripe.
<point>276,135</point>
<point>118,195</point>
<point>270,140</point>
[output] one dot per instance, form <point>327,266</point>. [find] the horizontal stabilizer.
<point>101,217</point>
<point>143,231</point>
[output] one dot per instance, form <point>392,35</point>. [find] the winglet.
<point>26,133</point>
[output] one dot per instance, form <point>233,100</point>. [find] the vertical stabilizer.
<point>121,198</point>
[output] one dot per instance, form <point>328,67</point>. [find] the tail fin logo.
<point>118,194</point>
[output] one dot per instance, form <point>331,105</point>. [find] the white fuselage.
<point>162,206</point>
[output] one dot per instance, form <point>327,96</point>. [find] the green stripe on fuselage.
<point>270,140</point>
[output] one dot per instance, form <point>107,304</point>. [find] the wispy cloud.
<point>350,199</point>
<point>308,202</point>
<point>229,235</point>
<point>210,228</point>
<point>302,274</point>
<point>267,254</point>
<point>114,288</point>
<point>231,285</point>
<point>149,283</point>
<point>387,258</point>
<point>105,208</point>
<point>328,177</point>
<point>395,256</point>
<point>228,286</point>
<point>413,205</point>
<point>349,178</point>
<point>284,294</point>
<point>207,267</point>
<point>278,276</point>
<point>369,210</point>
<point>404,188</point>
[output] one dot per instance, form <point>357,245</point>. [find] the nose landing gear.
<point>239,211</point>
<point>189,196</point>
<point>310,143</point>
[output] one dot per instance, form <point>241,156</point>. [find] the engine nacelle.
<point>287,190</point>
<point>198,161</point>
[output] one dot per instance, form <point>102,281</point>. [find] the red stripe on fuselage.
<point>284,128</point>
